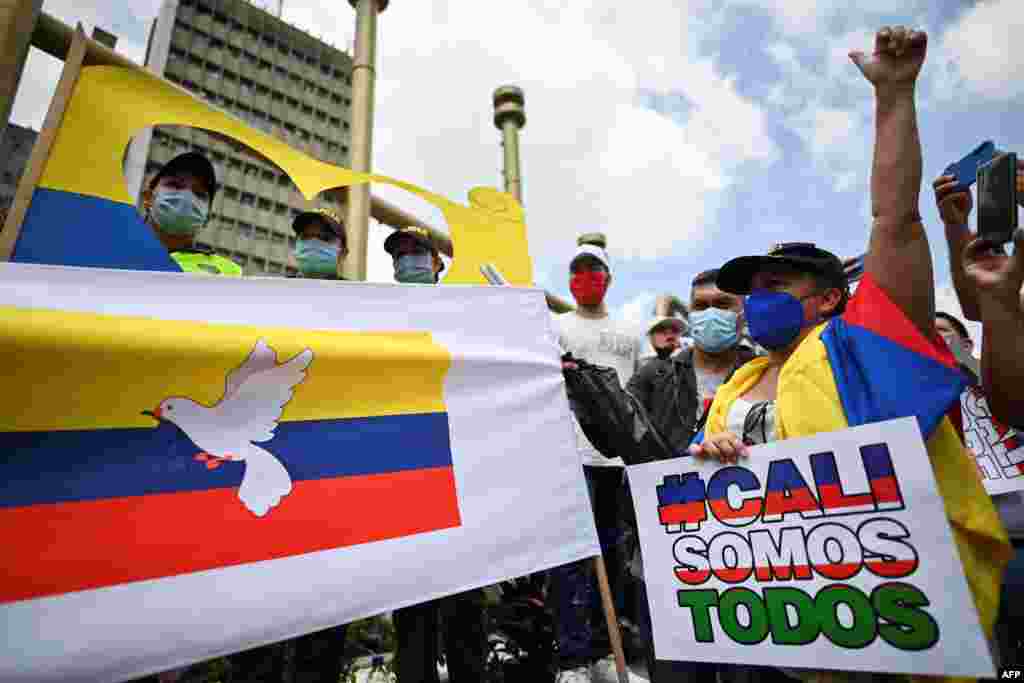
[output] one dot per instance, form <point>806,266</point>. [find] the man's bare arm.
<point>997,280</point>
<point>898,256</point>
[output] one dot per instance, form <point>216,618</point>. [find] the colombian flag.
<point>93,493</point>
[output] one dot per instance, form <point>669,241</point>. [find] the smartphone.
<point>966,170</point>
<point>997,199</point>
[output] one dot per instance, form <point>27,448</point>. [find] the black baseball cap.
<point>736,275</point>
<point>417,233</point>
<point>190,162</point>
<point>325,216</point>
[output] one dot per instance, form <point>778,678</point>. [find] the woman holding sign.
<point>836,361</point>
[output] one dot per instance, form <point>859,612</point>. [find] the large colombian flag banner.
<point>193,466</point>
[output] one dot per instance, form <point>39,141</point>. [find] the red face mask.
<point>588,287</point>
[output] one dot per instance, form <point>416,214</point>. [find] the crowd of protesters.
<point>750,360</point>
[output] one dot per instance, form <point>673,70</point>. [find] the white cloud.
<point>637,312</point>
<point>593,158</point>
<point>980,52</point>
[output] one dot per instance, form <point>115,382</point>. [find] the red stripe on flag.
<point>78,546</point>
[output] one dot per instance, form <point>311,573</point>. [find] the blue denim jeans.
<point>579,618</point>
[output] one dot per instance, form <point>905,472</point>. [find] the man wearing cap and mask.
<point>177,205</point>
<point>461,616</point>
<point>836,361</point>
<point>676,390</point>
<point>664,335</point>
<point>320,244</point>
<point>589,334</point>
<point>414,255</point>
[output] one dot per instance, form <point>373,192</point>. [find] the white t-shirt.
<point>601,342</point>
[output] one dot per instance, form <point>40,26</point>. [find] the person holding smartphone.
<point>955,205</point>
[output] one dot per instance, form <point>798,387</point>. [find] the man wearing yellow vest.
<point>177,205</point>
<point>834,363</point>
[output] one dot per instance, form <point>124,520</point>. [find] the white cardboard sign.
<point>831,551</point>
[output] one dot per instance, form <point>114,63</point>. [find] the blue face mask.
<point>714,329</point>
<point>775,318</point>
<point>316,257</point>
<point>178,212</point>
<point>415,268</point>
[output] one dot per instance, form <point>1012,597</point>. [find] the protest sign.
<point>826,552</point>
<point>312,453</point>
<point>998,449</point>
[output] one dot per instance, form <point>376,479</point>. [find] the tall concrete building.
<point>276,77</point>
<point>14,153</point>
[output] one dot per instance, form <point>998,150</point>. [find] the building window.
<point>276,238</point>
<point>244,229</point>
<point>220,18</point>
<point>268,40</point>
<point>195,60</point>
<point>321,116</point>
<point>265,65</point>
<point>280,72</point>
<point>216,43</point>
<point>230,76</point>
<point>307,110</point>
<point>217,156</point>
<point>265,205</point>
<point>227,224</point>
<point>336,99</point>
<point>323,93</point>
<point>283,180</point>
<point>247,199</point>
<point>230,193</point>
<point>274,268</point>
<point>235,52</point>
<point>257,265</point>
<point>261,89</point>
<point>237,26</point>
<point>292,102</point>
<point>262,234</point>
<point>213,71</point>
<point>254,35</point>
<point>202,10</point>
<point>348,102</point>
<point>269,176</point>
<point>325,70</point>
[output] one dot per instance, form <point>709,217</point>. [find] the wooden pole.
<point>614,634</point>
<point>41,150</point>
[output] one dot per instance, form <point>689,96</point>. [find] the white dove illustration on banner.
<point>255,395</point>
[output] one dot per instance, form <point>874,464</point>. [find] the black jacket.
<point>667,389</point>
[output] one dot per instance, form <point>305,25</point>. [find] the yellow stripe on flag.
<point>72,370</point>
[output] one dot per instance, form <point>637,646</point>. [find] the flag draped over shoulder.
<point>297,467</point>
<point>872,364</point>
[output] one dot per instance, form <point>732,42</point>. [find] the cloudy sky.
<point>689,131</point>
